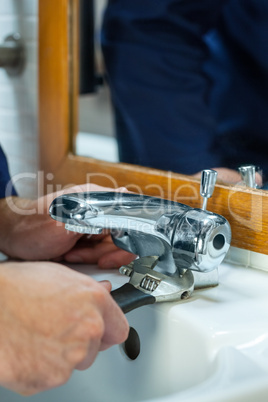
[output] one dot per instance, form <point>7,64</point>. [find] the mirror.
<point>246,209</point>
<point>95,116</point>
<point>95,137</point>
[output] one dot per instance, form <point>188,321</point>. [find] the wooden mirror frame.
<point>246,209</point>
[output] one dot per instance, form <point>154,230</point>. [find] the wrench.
<point>147,286</point>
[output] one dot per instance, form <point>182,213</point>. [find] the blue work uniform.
<point>189,82</point>
<point>4,176</point>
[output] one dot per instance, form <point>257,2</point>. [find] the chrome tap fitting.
<point>183,238</point>
<point>248,175</point>
<point>208,181</point>
<point>12,54</point>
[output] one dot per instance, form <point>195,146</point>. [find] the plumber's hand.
<point>32,234</point>
<point>52,321</point>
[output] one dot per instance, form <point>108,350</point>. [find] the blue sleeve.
<point>154,53</point>
<point>5,177</point>
<point>238,68</point>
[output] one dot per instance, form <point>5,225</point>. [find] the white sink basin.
<point>212,347</point>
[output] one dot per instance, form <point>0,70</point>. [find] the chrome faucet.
<point>180,236</point>
<point>248,175</point>
<point>179,247</point>
<point>208,181</point>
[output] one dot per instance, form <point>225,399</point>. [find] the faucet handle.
<point>208,181</point>
<point>248,175</point>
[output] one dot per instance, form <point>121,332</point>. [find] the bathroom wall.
<point>18,96</point>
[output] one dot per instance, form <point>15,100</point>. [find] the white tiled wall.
<point>18,95</point>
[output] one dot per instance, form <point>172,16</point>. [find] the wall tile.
<point>18,95</point>
<point>21,99</point>
<point>238,256</point>
<point>19,7</point>
<point>259,261</point>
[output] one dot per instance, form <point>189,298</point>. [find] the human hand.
<point>53,320</point>
<point>32,234</point>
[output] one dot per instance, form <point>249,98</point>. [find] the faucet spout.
<point>182,237</point>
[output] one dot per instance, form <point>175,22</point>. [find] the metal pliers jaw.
<point>147,286</point>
